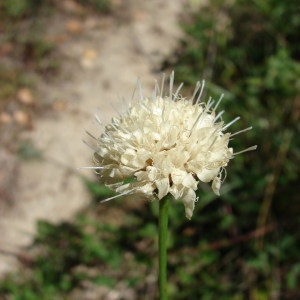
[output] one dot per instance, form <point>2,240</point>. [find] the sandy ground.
<point>100,63</point>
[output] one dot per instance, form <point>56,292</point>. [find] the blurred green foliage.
<point>25,47</point>
<point>61,249</point>
<point>250,51</point>
<point>19,8</point>
<point>10,81</point>
<point>101,5</point>
<point>243,245</point>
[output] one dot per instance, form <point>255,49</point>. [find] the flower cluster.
<point>165,144</point>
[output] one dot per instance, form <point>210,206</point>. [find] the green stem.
<point>162,245</point>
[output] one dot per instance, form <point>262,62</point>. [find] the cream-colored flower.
<point>166,144</point>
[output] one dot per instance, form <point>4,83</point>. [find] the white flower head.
<point>165,144</point>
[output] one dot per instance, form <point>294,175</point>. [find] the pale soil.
<point>99,63</point>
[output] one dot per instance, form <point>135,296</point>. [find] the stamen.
<point>95,168</point>
<point>162,84</point>
<point>223,170</point>
<point>117,196</point>
<point>177,91</point>
<point>155,91</point>
<point>89,134</point>
<point>90,146</point>
<point>218,115</point>
<point>219,101</point>
<point>114,107</point>
<point>114,126</point>
<point>218,128</point>
<point>246,150</point>
<point>195,91</point>
<point>140,89</point>
<point>243,130</point>
<point>123,104</point>
<point>135,88</point>
<point>144,106</point>
<point>107,136</point>
<point>212,143</point>
<point>230,123</point>
<point>171,85</point>
<point>201,91</point>
<point>96,124</point>
<point>198,118</point>
<point>163,113</point>
<point>209,104</point>
<point>98,119</point>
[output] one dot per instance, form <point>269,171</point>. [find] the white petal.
<point>127,156</point>
<point>190,182</point>
<point>141,176</point>
<point>146,188</point>
<point>188,199</point>
<point>152,173</point>
<point>123,188</point>
<point>176,191</point>
<point>207,175</point>
<point>216,185</point>
<point>178,176</point>
<point>163,187</point>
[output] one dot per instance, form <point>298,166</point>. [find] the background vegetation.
<point>243,245</point>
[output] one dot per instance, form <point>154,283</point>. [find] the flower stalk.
<point>162,241</point>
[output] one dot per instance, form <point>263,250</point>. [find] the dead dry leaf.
<point>59,105</point>
<point>88,58</point>
<point>71,6</point>
<point>6,48</point>
<point>25,96</point>
<point>5,118</point>
<point>74,26</point>
<point>21,117</point>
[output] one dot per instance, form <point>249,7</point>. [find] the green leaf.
<point>97,189</point>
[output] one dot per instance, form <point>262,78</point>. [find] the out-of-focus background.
<point>61,61</point>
